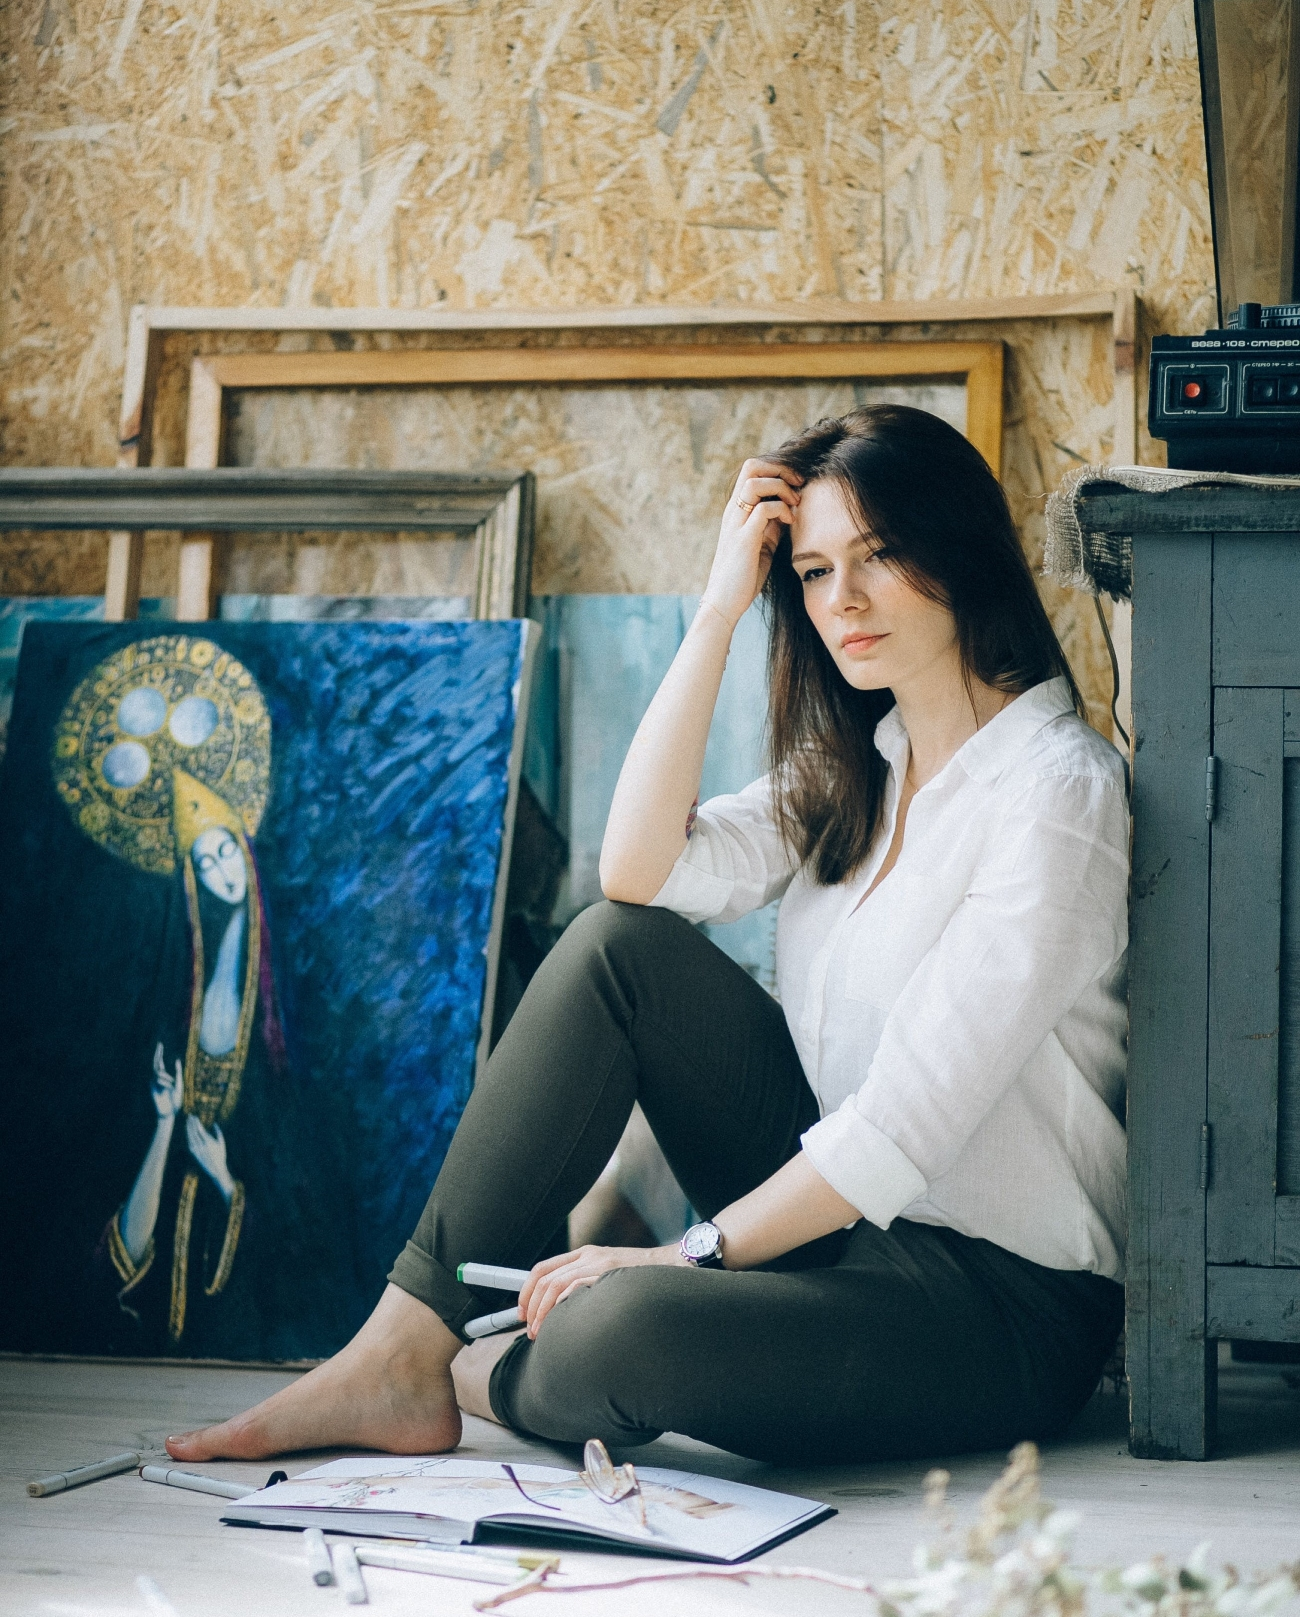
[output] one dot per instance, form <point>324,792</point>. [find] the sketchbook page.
<point>709,1516</point>
<point>685,1511</point>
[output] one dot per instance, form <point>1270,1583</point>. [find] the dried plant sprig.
<point>1014,1561</point>
<point>539,1583</point>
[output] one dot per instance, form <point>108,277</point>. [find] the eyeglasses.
<point>612,1484</point>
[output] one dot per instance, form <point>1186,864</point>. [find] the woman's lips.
<point>860,642</point>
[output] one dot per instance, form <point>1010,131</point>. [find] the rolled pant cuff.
<point>416,1273</point>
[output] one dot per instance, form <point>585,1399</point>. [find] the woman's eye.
<point>815,572</point>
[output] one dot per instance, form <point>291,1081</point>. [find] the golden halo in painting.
<point>174,702</point>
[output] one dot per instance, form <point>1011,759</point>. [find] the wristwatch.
<point>702,1246</point>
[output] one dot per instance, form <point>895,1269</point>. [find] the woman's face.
<point>219,864</point>
<point>880,631</point>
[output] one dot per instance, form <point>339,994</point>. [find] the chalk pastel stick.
<point>153,1596</point>
<point>348,1575</point>
<point>487,1324</point>
<point>492,1277</point>
<point>83,1474</point>
<point>318,1557</point>
<point>525,1560</point>
<point>437,1564</point>
<point>195,1483</point>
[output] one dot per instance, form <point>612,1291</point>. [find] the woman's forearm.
<point>140,1214</point>
<point>660,778</point>
<point>793,1207</point>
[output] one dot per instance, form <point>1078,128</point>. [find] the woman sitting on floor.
<point>912,1167</point>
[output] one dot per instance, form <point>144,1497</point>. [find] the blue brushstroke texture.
<point>600,662</point>
<point>381,847</point>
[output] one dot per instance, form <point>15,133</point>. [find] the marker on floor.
<point>492,1277</point>
<point>438,1564</point>
<point>82,1474</point>
<point>486,1324</point>
<point>318,1557</point>
<point>195,1483</point>
<point>348,1575</point>
<point>153,1597</point>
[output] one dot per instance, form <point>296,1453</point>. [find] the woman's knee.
<point>599,1362</point>
<point>613,925</point>
<point>604,1327</point>
<point>622,939</point>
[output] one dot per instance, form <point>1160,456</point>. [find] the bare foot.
<point>473,1370</point>
<point>390,1388</point>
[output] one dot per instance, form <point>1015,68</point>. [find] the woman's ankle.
<point>407,1327</point>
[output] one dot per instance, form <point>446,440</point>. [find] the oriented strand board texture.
<point>1252,41</point>
<point>630,481</point>
<point>449,153</point>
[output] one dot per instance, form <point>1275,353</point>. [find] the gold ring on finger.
<point>746,505</point>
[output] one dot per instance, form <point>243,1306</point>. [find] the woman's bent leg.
<point>632,1004</point>
<point>918,1342</point>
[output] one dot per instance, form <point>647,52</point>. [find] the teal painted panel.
<point>602,659</point>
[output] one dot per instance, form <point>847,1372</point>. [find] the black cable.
<point>1114,670</point>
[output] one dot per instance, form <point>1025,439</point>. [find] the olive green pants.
<point>867,1344</point>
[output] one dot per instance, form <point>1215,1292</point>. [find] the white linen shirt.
<point>964,1027</point>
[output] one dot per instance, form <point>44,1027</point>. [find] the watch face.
<point>700,1241</point>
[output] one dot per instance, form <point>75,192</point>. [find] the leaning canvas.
<point>251,882</point>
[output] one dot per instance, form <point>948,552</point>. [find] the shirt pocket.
<point>889,936</point>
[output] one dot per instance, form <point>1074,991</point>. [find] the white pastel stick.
<point>492,1277</point>
<point>439,1565</point>
<point>487,1324</point>
<point>82,1474</point>
<point>192,1480</point>
<point>153,1597</point>
<point>318,1557</point>
<point>348,1575</point>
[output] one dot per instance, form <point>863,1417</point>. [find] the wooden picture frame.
<point>977,364</point>
<point>513,361</point>
<point>494,509</point>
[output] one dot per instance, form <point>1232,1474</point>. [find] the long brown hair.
<point>927,497</point>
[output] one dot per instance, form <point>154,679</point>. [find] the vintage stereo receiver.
<point>1229,401</point>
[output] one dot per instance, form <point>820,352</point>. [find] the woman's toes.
<point>187,1446</point>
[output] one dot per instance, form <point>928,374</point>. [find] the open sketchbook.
<point>460,1501</point>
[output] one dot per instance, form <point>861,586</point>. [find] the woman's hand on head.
<point>749,537</point>
<point>554,1279</point>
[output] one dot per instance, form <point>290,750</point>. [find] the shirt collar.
<point>993,747</point>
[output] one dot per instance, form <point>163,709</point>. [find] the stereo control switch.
<point>1272,389</point>
<point>1196,390</point>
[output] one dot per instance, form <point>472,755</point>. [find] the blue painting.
<point>251,880</point>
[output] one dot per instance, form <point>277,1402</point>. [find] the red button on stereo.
<point>1192,390</point>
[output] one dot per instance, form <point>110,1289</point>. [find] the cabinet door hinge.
<point>1205,1157</point>
<point>1211,785</point>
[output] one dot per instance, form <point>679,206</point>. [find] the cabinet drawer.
<point>1257,609</point>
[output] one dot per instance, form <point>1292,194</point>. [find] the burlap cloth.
<point>1102,563</point>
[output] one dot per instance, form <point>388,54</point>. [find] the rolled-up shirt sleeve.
<point>1045,916</point>
<point>735,861</point>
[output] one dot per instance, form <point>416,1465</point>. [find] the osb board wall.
<point>462,154</point>
<point>608,522</point>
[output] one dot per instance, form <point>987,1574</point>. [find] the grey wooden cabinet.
<point>1214,997</point>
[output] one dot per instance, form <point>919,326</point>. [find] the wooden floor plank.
<point>78,1554</point>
